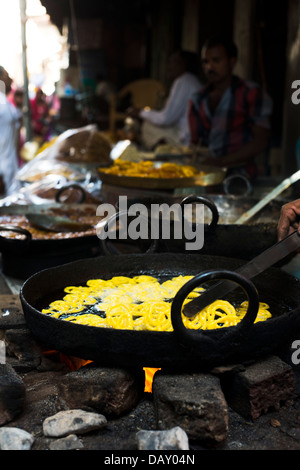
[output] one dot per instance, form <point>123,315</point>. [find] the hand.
<point>289,220</point>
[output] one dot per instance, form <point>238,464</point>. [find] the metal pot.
<point>220,238</point>
<point>178,350</point>
<point>22,257</point>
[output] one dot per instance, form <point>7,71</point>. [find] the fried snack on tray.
<point>149,170</point>
<point>84,216</point>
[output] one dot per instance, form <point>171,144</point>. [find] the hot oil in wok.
<point>59,294</point>
<point>113,347</point>
<point>235,300</point>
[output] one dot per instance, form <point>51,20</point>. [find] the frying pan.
<point>22,257</point>
<point>221,237</point>
<point>174,351</point>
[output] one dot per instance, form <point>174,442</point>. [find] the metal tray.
<point>212,176</point>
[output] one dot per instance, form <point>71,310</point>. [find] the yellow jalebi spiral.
<point>88,319</point>
<point>119,320</point>
<point>262,314</point>
<point>157,316</point>
<point>142,303</point>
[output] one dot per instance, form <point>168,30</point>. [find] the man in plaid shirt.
<point>229,116</point>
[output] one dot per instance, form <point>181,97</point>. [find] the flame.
<point>149,374</point>
<point>72,362</point>
<point>75,363</point>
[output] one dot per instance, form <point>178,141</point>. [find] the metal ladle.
<point>285,184</point>
<point>56,224</point>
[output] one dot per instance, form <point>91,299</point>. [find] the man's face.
<point>7,81</point>
<point>216,64</point>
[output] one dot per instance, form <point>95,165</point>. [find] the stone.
<point>12,394</point>
<point>171,439</point>
<point>112,392</point>
<point>21,345</point>
<point>11,313</point>
<point>70,442</point>
<point>15,439</point>
<point>263,385</point>
<point>195,402</point>
<point>72,422</point>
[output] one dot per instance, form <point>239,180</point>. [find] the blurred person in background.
<point>18,101</point>
<point>170,124</point>
<point>229,116</point>
<point>9,130</point>
<point>40,116</point>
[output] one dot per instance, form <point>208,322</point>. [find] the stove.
<point>240,406</point>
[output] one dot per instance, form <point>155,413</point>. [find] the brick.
<point>112,392</point>
<point>262,386</point>
<point>11,313</point>
<point>195,402</point>
<point>12,394</point>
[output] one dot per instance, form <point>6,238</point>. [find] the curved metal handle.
<point>15,228</point>
<point>208,203</point>
<point>243,179</point>
<point>114,218</point>
<point>71,186</point>
<point>191,337</point>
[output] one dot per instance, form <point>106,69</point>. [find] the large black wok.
<point>180,350</point>
<point>221,236</point>
<point>25,255</point>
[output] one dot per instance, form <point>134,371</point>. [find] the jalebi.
<point>142,303</point>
